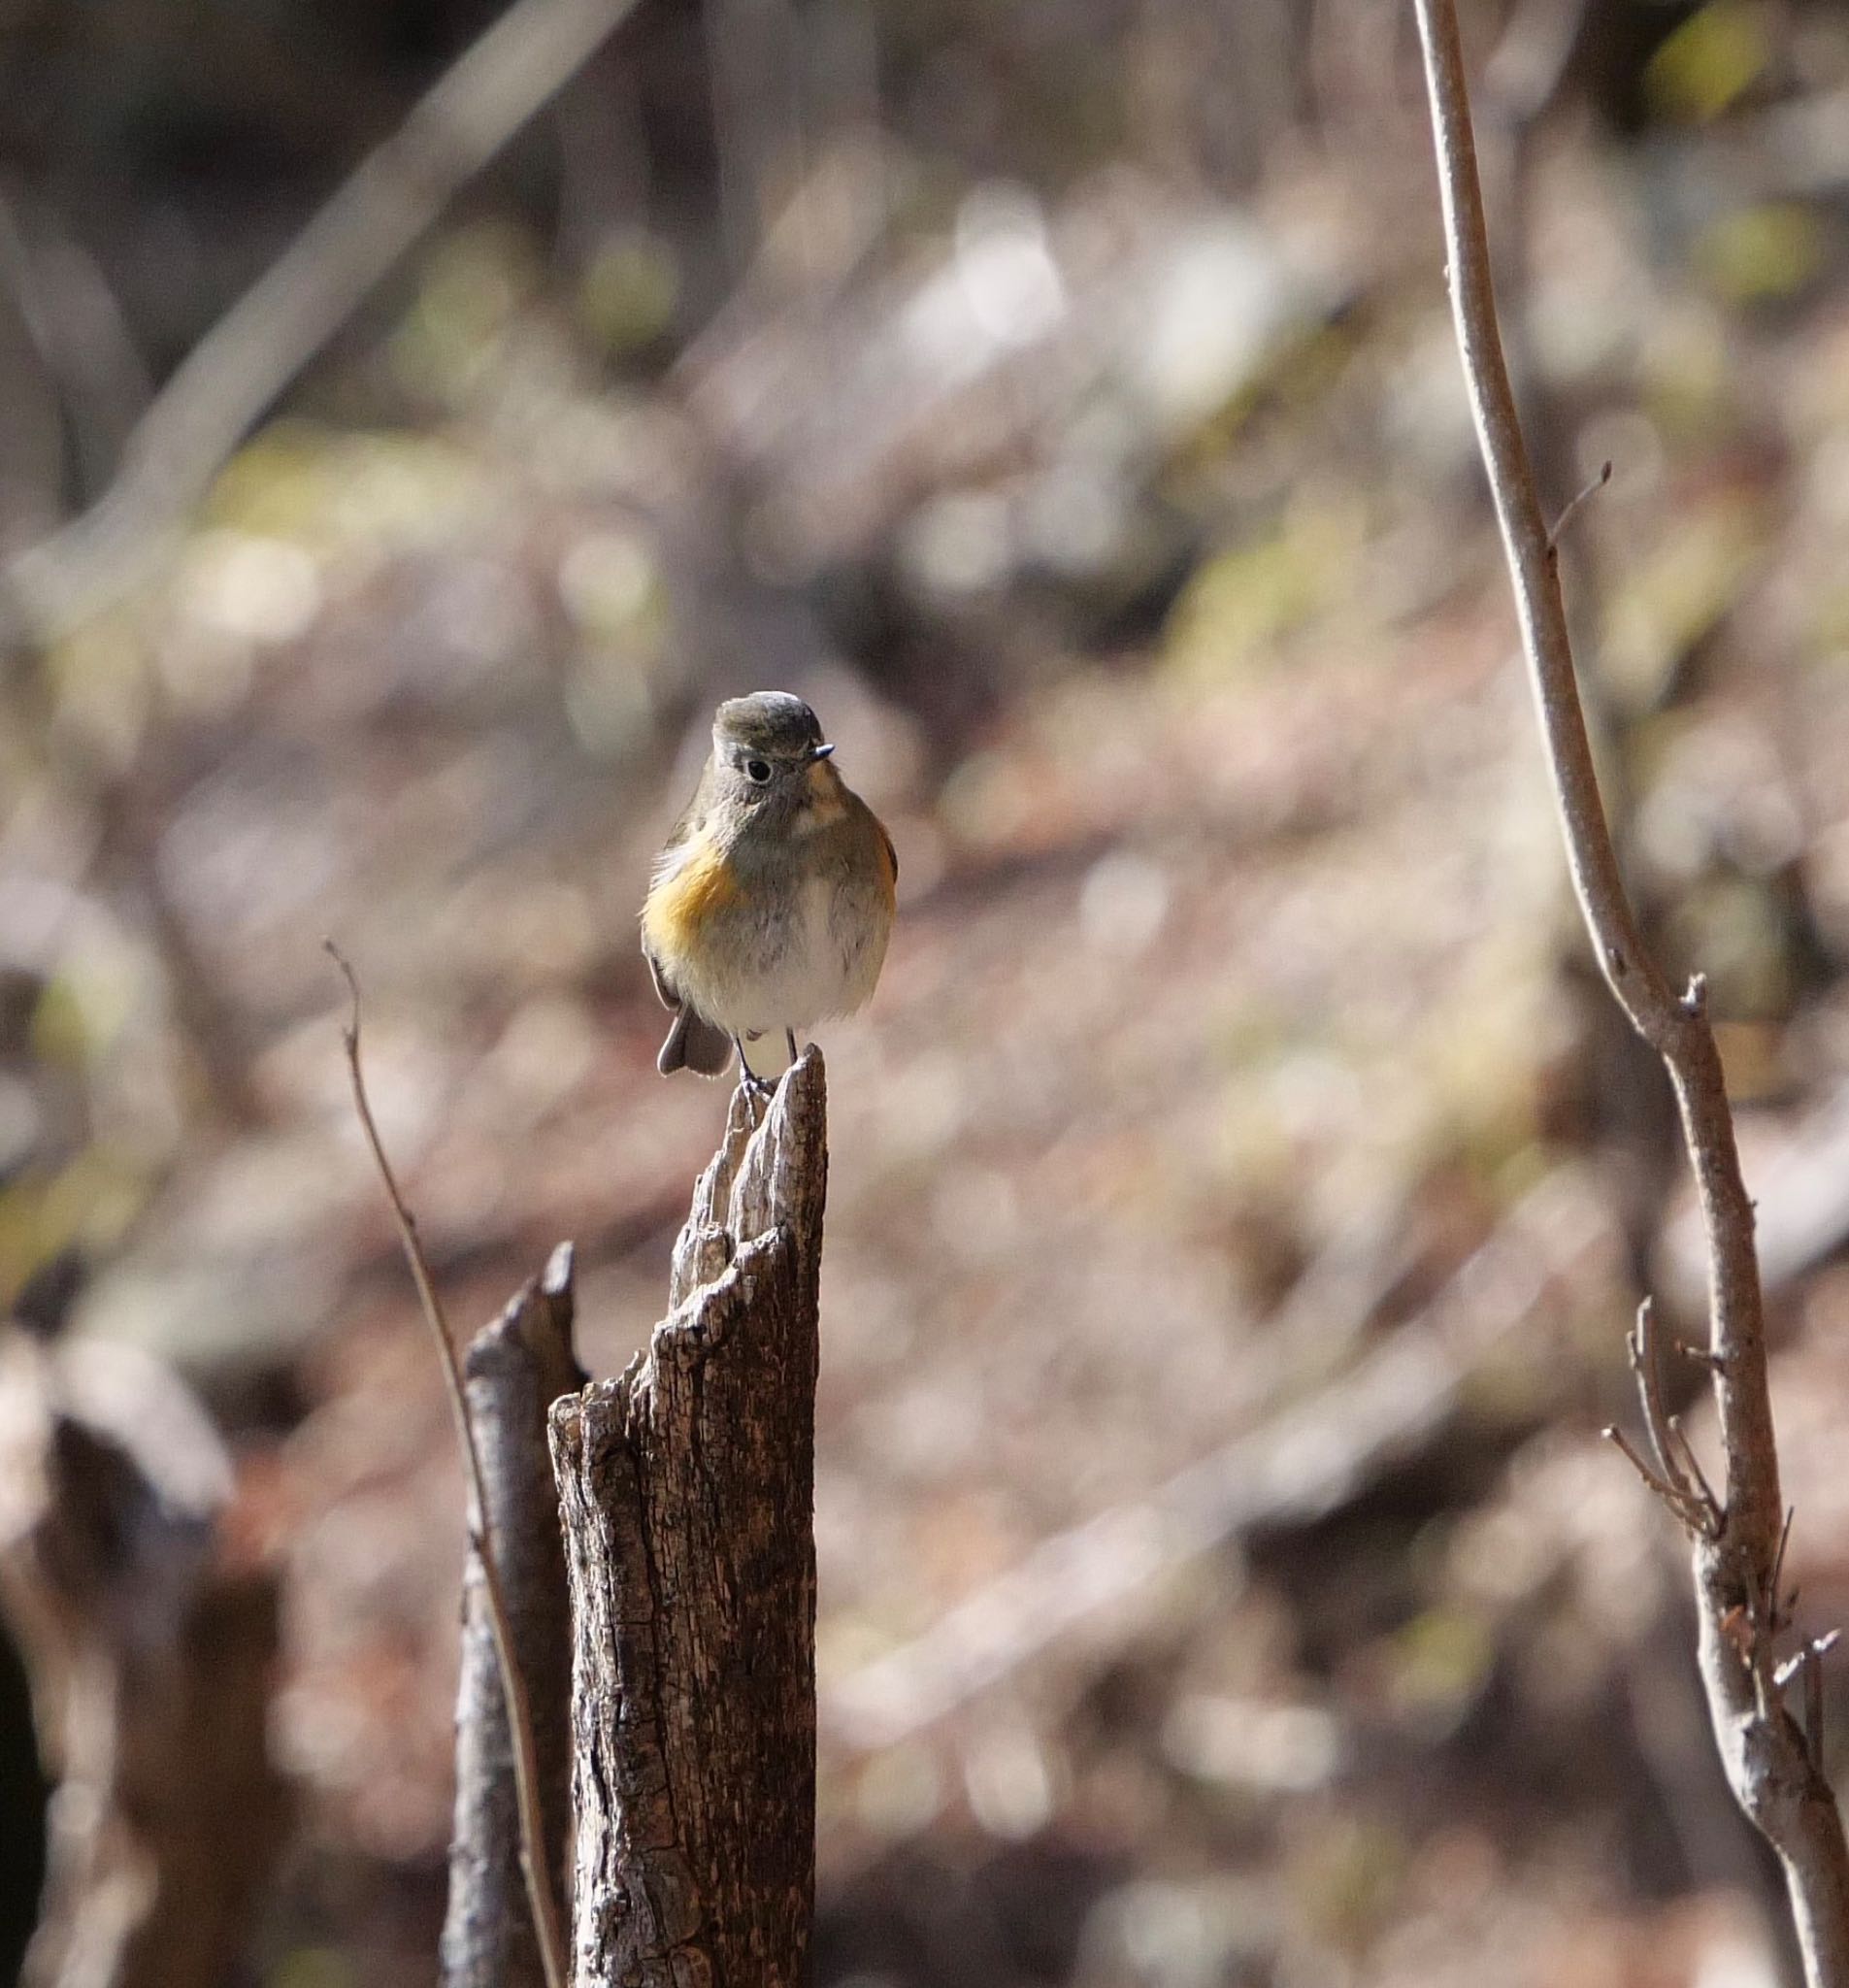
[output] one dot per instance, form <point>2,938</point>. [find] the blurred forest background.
<point>1240,1186</point>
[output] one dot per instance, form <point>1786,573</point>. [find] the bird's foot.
<point>759,1089</point>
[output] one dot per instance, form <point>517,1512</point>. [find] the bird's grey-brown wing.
<point>692,816</point>
<point>664,987</point>
<point>858,815</point>
<point>692,1042</point>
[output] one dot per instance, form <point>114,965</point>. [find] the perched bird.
<point>771,905</point>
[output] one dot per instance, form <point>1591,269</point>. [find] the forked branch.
<point>1677,1476</point>
<point>1737,1533</point>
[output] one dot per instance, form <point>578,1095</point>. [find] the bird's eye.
<point>757,769</point>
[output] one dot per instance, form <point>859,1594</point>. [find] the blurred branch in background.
<point>753,54</point>
<point>1738,1538</point>
<point>79,334</point>
<point>235,372</point>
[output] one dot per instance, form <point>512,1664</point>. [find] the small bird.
<point>771,905</point>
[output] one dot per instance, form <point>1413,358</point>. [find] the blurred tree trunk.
<point>687,1496</point>
<point>149,1660</point>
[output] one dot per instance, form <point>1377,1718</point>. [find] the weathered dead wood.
<point>149,1660</point>
<point>687,1490</point>
<point>515,1369</point>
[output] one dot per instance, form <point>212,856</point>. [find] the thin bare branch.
<point>1814,1699</point>
<point>1642,1345</point>
<point>1698,1354</point>
<point>1776,1581</point>
<point>1574,504</point>
<point>1677,1479</point>
<point>1770,1767</point>
<point>1681,1501</point>
<point>1711,1506</point>
<point>1817,1646</point>
<point>1806,1663</point>
<point>540,1893</point>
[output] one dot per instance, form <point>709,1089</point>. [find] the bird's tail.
<point>694,1043</point>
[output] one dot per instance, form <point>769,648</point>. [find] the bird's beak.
<point>820,751</point>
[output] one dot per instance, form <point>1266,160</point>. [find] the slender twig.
<point>1776,1579</point>
<point>1698,1354</point>
<point>526,1774</point>
<point>1768,1764</point>
<point>1677,1479</point>
<point>1814,1702</point>
<point>1681,1498</point>
<point>1817,1646</point>
<point>1691,1464</point>
<point>1682,1503</point>
<point>1808,1663</point>
<point>1575,504</point>
<point>1644,1364</point>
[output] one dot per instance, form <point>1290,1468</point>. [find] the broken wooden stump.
<point>686,1488</point>
<point>515,1369</point>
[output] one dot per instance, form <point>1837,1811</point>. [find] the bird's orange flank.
<point>674,920</point>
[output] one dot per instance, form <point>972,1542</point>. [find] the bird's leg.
<point>754,1085</point>
<point>789,1035</point>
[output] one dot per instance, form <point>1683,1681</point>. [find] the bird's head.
<point>770,746</point>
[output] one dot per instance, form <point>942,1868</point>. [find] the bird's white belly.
<point>818,973</point>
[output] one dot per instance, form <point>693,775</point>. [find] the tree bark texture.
<point>517,1368</point>
<point>150,1661</point>
<point>687,1496</point>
